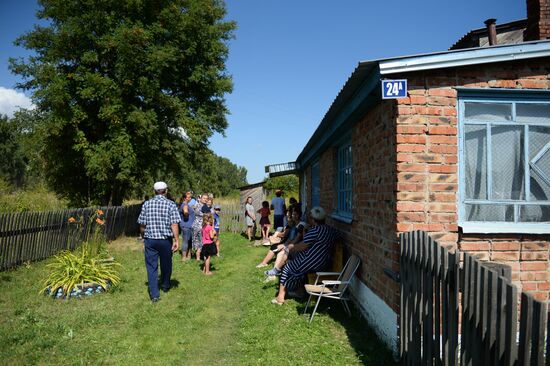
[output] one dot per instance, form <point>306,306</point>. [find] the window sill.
<point>339,217</point>
<point>503,228</point>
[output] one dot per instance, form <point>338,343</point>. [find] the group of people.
<point>280,211</point>
<point>160,222</point>
<point>298,248</point>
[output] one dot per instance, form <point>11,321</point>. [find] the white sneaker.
<point>270,279</point>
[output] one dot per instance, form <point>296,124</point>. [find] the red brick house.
<point>464,156</point>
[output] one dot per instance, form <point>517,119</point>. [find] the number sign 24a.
<point>393,89</point>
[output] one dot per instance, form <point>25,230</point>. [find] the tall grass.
<point>37,198</point>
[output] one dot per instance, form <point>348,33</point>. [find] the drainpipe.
<point>491,31</point>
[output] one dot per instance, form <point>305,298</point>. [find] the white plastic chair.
<point>333,289</point>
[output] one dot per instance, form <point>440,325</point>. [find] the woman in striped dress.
<point>312,255</point>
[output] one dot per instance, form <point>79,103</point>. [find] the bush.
<point>88,264</point>
<point>70,269</point>
<point>37,198</point>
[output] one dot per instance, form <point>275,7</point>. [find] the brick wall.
<point>371,235</point>
<point>538,20</point>
<point>427,170</point>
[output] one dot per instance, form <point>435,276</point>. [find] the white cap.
<point>317,213</point>
<point>160,186</point>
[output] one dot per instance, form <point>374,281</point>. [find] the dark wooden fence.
<point>32,236</point>
<point>432,284</point>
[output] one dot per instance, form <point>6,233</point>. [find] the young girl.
<point>208,245</point>
<point>264,220</point>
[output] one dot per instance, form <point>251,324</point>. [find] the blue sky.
<point>289,60</point>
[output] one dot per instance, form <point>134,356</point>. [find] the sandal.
<point>276,302</point>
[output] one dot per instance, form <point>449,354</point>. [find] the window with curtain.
<point>315,185</point>
<point>505,163</point>
<point>344,180</point>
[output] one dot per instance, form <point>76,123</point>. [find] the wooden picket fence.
<point>437,293</point>
<point>232,218</point>
<point>32,236</point>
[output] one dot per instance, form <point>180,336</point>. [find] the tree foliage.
<point>288,183</point>
<point>127,88</point>
<point>12,162</point>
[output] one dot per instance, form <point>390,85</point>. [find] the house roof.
<point>362,89</point>
<point>507,33</point>
<point>250,186</point>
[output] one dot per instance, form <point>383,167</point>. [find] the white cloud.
<point>11,101</point>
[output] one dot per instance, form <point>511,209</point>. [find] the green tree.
<point>128,88</point>
<point>288,183</point>
<point>12,160</point>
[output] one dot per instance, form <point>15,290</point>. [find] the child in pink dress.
<point>264,220</point>
<point>208,242</point>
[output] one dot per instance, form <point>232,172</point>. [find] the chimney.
<point>491,31</point>
<point>538,20</point>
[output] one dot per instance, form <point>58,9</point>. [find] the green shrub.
<point>70,269</point>
<point>88,264</point>
<point>37,198</point>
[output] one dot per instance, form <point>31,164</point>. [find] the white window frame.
<point>501,226</point>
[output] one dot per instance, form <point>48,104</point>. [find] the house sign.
<point>394,89</point>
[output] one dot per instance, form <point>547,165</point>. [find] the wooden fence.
<point>432,284</point>
<point>232,218</point>
<point>32,236</point>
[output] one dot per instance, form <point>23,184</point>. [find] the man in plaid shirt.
<point>159,219</point>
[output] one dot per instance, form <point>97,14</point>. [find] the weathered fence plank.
<point>430,311</point>
<point>31,236</point>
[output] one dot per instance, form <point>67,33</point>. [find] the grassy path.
<point>224,319</point>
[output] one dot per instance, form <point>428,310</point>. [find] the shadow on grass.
<point>362,337</point>
<point>173,283</point>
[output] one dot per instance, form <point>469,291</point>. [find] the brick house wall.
<point>538,20</point>
<point>405,177</point>
<point>427,169</point>
<point>371,235</point>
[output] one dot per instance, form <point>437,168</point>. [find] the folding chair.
<point>333,289</point>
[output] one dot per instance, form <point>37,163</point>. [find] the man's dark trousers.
<point>278,221</point>
<point>155,249</point>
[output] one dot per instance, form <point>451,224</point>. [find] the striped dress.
<point>316,257</point>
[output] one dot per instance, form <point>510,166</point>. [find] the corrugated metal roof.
<point>376,68</point>
<point>464,57</point>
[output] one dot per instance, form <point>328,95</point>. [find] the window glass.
<point>345,180</point>
<point>488,111</point>
<point>475,161</point>
<point>315,185</point>
<point>533,113</point>
<point>502,213</point>
<point>507,162</point>
<point>498,182</point>
<point>539,163</point>
<point>535,213</point>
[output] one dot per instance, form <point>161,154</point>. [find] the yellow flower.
<point>72,219</point>
<point>100,212</point>
<point>99,221</point>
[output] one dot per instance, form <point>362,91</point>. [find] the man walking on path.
<point>159,219</point>
<point>279,209</point>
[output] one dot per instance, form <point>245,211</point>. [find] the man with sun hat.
<point>159,219</point>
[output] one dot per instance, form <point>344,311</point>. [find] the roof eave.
<point>465,57</point>
<point>363,78</point>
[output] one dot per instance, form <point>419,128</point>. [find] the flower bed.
<point>81,290</point>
